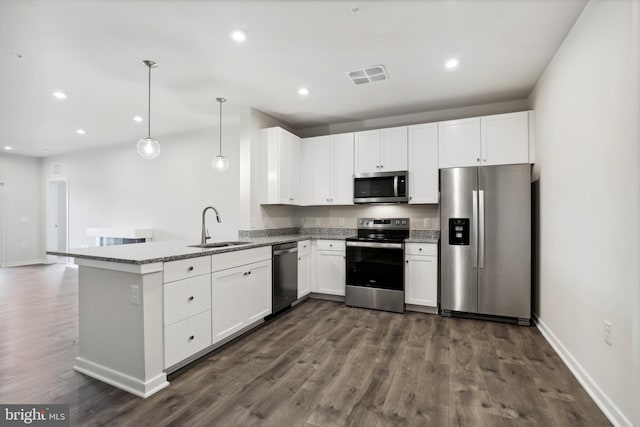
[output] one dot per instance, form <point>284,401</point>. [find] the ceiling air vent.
<point>374,73</point>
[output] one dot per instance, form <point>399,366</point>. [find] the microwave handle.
<point>395,185</point>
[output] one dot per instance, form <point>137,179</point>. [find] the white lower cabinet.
<point>421,274</point>
<point>258,291</point>
<point>304,268</point>
<point>227,300</point>
<point>330,267</point>
<point>186,337</point>
<point>240,295</point>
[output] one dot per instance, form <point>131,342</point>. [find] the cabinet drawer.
<point>185,298</point>
<point>187,337</point>
<point>331,245</point>
<point>185,268</point>
<point>304,247</point>
<point>421,249</point>
<point>237,258</point>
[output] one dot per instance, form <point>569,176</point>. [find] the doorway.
<point>57,218</point>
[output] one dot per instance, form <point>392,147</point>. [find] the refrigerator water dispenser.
<point>459,231</point>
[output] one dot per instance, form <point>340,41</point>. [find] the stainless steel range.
<point>375,264</point>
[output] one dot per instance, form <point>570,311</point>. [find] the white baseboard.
<point>607,406</point>
<point>125,382</point>
<point>25,262</point>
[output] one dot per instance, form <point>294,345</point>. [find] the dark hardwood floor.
<point>320,364</point>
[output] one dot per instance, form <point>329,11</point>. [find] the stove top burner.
<point>388,230</point>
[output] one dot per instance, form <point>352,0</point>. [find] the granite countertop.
<point>151,252</point>
<point>147,253</point>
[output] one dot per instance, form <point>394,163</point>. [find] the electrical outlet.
<point>317,221</point>
<point>427,222</point>
<point>23,245</point>
<point>340,221</point>
<point>135,294</point>
<point>24,219</point>
<point>608,333</point>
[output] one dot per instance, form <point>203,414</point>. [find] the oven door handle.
<point>375,245</point>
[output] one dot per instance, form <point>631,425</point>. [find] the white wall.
<point>114,187</point>
<point>416,118</point>
<point>22,191</point>
<point>587,161</point>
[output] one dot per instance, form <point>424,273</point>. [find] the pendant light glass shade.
<point>148,148</point>
<point>220,162</point>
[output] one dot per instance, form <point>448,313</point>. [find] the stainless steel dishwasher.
<point>285,276</point>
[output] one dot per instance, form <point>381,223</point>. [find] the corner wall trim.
<point>611,411</point>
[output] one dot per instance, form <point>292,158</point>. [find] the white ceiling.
<point>92,50</point>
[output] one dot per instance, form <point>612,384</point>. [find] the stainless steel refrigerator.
<point>485,237</point>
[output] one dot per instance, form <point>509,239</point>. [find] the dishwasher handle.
<point>285,251</point>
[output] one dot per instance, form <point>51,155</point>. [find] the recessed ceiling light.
<point>8,148</point>
<point>239,36</point>
<point>60,95</point>
<point>80,131</point>
<point>452,63</point>
<point>303,91</point>
<point>137,119</point>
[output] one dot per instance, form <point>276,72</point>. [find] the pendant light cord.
<point>149,106</point>
<point>220,141</point>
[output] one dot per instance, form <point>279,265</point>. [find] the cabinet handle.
<point>407,261</point>
<point>249,273</point>
<point>420,249</point>
<point>191,338</point>
<point>191,298</point>
<point>478,159</point>
<point>190,268</point>
<point>484,160</point>
<point>299,259</point>
<point>410,197</point>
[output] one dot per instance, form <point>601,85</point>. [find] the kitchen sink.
<point>219,245</point>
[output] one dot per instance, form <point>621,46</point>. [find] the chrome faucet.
<point>205,232</point>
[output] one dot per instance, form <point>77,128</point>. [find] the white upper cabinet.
<point>459,143</point>
<point>484,141</point>
<point>283,167</point>
<point>327,170</point>
<point>423,163</point>
<point>381,150</point>
<point>505,139</point>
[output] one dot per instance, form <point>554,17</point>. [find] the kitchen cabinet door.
<point>423,163</point>
<point>227,302</point>
<point>421,275</point>
<point>304,268</point>
<point>505,139</point>
<point>393,149</point>
<point>257,291</point>
<point>367,151</point>
<point>316,170</point>
<point>294,169</point>
<point>459,143</point>
<point>341,169</point>
<point>282,183</point>
<point>331,272</point>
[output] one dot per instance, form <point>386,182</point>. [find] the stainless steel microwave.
<point>381,187</point>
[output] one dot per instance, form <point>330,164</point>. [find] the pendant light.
<point>149,148</point>
<point>221,162</point>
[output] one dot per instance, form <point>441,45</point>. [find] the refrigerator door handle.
<point>481,229</point>
<point>474,228</point>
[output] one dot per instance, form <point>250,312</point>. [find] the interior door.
<point>504,247</point>
<point>458,207</point>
